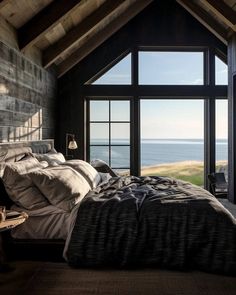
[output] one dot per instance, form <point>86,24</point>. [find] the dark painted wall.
<point>27,98</point>
<point>162,24</point>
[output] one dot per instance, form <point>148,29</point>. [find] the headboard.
<point>39,146</point>
<point>15,151</point>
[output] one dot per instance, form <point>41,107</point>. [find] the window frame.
<point>109,122</point>
<point>209,92</point>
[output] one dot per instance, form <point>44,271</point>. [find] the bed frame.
<point>26,249</point>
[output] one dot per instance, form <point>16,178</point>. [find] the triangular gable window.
<point>119,74</point>
<point>221,72</point>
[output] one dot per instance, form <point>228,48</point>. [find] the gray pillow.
<point>62,186</point>
<point>84,168</point>
<point>19,186</point>
<point>103,167</point>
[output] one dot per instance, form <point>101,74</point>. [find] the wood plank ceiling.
<point>67,31</point>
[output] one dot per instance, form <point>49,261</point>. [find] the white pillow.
<point>61,185</point>
<point>88,172</point>
<point>53,158</point>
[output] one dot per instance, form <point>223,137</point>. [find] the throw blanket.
<point>153,221</point>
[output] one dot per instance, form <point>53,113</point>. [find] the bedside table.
<point>13,219</point>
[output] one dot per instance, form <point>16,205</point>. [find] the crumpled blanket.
<point>153,221</point>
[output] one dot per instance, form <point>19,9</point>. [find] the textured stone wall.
<point>27,98</point>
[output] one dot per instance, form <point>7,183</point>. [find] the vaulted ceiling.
<point>66,31</point>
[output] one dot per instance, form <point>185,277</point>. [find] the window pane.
<point>99,133</point>
<point>222,136</point>
<point>99,110</point>
<point>118,74</point>
<point>120,133</point>
<point>172,139</point>
<point>170,68</point>
<point>221,72</point>
<point>120,156</point>
<point>99,152</point>
<point>107,135</point>
<point>120,111</point>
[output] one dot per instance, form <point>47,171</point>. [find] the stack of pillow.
<point>39,180</point>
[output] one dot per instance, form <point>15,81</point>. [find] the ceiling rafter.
<point>204,18</point>
<point>102,36</point>
<point>29,33</point>
<point>223,11</point>
<point>3,3</point>
<point>75,34</point>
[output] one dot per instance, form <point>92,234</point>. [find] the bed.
<point>105,220</point>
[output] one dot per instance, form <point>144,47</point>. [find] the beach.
<point>192,171</point>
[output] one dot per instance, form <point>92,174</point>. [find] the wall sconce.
<point>71,144</point>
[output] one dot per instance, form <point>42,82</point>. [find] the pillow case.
<point>53,158</point>
<point>88,172</point>
<point>19,186</point>
<point>61,185</point>
<point>103,167</point>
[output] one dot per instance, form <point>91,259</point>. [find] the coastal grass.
<point>191,171</point>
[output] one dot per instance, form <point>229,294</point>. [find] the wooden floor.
<point>48,278</point>
<point>38,278</point>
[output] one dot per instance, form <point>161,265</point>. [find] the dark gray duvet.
<point>153,221</point>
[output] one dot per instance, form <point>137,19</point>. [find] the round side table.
<point>13,219</point>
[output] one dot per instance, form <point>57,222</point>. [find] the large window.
<point>110,133</point>
<point>170,68</point>
<point>160,129</point>
<point>172,142</point>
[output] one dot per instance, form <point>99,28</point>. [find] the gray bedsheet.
<point>153,221</point>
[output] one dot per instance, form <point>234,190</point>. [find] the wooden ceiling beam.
<point>102,36</point>
<point>74,35</point>
<point>3,3</point>
<point>205,19</point>
<point>223,11</point>
<point>29,33</point>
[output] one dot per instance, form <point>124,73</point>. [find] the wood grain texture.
<point>18,12</point>
<point>44,20</point>
<point>101,36</point>
<point>51,53</point>
<point>204,18</point>
<point>7,33</point>
<point>40,277</point>
<point>27,98</point>
<point>223,11</point>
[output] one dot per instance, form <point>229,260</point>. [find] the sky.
<point>163,118</point>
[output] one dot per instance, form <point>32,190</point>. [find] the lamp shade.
<point>72,145</point>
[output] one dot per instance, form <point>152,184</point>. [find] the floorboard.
<point>58,278</point>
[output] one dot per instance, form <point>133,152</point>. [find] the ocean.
<point>160,151</point>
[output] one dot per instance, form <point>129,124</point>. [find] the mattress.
<point>49,222</point>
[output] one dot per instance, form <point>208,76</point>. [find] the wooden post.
<point>232,117</point>
<point>135,119</point>
<point>209,119</point>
